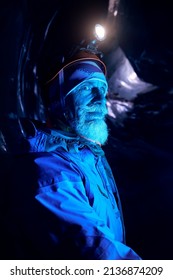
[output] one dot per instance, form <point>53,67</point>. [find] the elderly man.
<point>64,199</point>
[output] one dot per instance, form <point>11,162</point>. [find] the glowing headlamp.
<point>99,35</point>
<point>99,32</point>
<point>91,45</point>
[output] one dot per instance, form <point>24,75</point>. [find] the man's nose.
<point>98,94</point>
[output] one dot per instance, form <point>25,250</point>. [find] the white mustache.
<point>95,109</point>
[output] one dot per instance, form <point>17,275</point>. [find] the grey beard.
<point>90,123</point>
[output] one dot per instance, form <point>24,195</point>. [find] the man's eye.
<point>85,88</point>
<point>103,90</point>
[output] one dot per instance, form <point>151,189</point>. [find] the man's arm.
<point>53,216</point>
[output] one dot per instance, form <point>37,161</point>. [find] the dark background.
<point>37,35</point>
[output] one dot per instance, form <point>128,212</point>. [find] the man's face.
<point>88,110</point>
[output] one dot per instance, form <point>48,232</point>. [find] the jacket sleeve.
<point>54,212</point>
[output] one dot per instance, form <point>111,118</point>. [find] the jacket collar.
<point>49,140</point>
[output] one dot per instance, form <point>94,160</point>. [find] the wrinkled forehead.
<point>93,82</point>
<point>91,85</point>
<point>82,72</point>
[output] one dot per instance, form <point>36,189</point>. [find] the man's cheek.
<point>84,99</point>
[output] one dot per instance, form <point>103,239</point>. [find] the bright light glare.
<point>100,32</point>
<point>115,13</point>
<point>132,77</point>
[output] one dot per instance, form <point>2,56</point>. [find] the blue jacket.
<point>64,201</point>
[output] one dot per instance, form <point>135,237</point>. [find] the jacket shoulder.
<point>44,169</point>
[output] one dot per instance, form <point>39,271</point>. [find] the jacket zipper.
<point>118,198</point>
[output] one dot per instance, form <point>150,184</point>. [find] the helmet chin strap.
<point>62,99</point>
